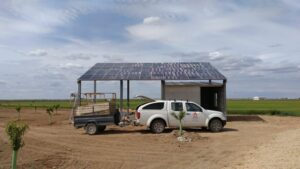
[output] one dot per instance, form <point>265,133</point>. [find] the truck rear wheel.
<point>91,128</point>
<point>157,126</point>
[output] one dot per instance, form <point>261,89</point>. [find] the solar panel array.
<point>152,71</point>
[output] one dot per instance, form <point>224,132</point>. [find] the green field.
<point>271,107</point>
<point>35,103</point>
<point>63,103</point>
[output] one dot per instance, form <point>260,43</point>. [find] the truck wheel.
<point>91,128</point>
<point>157,126</point>
<point>215,125</point>
<point>101,128</point>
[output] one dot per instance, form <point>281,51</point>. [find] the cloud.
<point>2,83</point>
<point>220,60</point>
<point>35,18</point>
<point>38,52</point>
<point>147,31</point>
<point>11,27</point>
<point>281,69</point>
<point>55,84</point>
<point>81,56</point>
<point>240,63</point>
<point>216,55</point>
<point>113,58</point>
<point>275,45</point>
<point>70,66</point>
<point>151,20</point>
<point>49,76</point>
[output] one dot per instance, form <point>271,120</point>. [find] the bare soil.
<point>273,142</point>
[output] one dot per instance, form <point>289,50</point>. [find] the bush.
<point>18,109</point>
<point>49,111</point>
<point>15,131</point>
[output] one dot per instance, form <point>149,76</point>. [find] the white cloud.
<point>11,27</point>
<point>151,20</point>
<point>69,66</point>
<point>38,52</point>
<point>150,32</point>
<point>27,18</point>
<point>80,56</point>
<point>149,29</point>
<point>113,58</point>
<point>215,55</point>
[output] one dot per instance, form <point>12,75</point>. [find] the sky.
<point>46,45</point>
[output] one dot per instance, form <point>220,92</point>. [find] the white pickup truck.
<point>157,116</point>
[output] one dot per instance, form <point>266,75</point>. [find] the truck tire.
<point>215,125</point>
<point>91,128</point>
<point>101,128</point>
<point>157,126</point>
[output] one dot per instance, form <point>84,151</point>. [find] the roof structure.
<point>153,71</point>
<point>203,84</point>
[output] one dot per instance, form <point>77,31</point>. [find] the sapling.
<point>15,131</point>
<point>18,109</point>
<point>56,107</point>
<point>35,107</point>
<point>49,111</point>
<point>179,117</point>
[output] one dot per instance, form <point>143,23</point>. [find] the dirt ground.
<point>272,142</point>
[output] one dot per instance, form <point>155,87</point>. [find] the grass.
<point>37,103</point>
<point>242,106</point>
<point>63,103</point>
<point>269,107</point>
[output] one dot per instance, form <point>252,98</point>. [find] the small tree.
<point>35,107</point>
<point>49,111</point>
<point>179,117</point>
<point>18,109</point>
<point>56,107</point>
<point>15,131</point>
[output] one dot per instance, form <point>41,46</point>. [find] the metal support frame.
<point>79,93</point>
<point>95,91</point>
<point>200,98</point>
<point>128,95</point>
<point>121,97</point>
<point>224,97</point>
<point>163,93</point>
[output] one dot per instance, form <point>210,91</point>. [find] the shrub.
<point>18,109</point>
<point>56,107</point>
<point>49,111</point>
<point>15,130</point>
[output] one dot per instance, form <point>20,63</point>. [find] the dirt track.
<point>272,143</point>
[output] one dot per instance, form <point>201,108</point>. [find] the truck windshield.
<point>193,107</point>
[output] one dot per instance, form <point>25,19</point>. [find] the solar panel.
<point>152,71</point>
